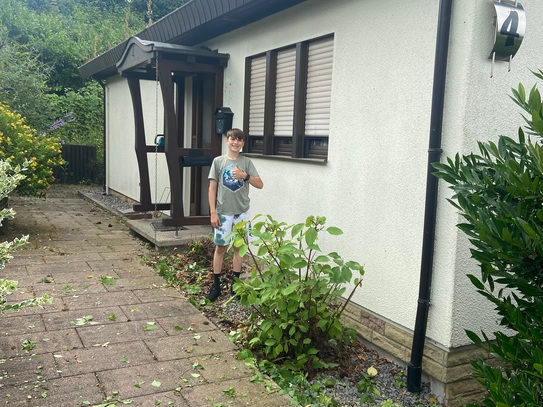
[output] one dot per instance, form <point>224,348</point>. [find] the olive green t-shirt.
<point>232,194</point>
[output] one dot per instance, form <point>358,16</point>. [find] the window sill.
<point>289,159</point>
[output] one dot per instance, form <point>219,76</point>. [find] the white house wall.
<point>481,110</point>
<point>122,174</point>
<point>373,185</point>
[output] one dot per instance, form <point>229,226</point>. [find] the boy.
<point>229,179</point>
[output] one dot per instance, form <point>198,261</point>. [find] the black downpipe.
<point>414,368</point>
<point>103,85</point>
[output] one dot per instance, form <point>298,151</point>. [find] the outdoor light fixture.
<point>510,30</point>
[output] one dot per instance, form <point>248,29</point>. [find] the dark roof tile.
<point>193,23</point>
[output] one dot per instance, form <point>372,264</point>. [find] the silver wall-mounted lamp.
<point>510,30</point>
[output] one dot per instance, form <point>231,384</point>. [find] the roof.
<point>138,55</point>
<point>193,23</point>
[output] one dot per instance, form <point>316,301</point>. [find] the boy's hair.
<point>235,133</point>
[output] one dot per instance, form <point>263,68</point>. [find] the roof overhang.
<point>139,57</point>
<point>194,23</point>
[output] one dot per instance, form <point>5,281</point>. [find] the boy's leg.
<point>218,256</point>
<point>237,260</point>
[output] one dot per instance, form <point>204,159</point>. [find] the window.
<point>287,100</point>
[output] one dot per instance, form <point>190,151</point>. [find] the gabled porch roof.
<point>139,54</point>
<point>193,23</point>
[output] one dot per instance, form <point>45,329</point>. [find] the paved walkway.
<point>114,332</point>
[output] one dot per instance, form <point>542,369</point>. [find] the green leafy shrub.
<point>294,291</point>
<point>19,143</point>
<point>292,383</point>
<point>9,178</point>
<point>80,119</point>
<point>499,193</point>
<point>23,82</point>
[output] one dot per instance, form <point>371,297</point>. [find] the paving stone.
<point>119,332</point>
<point>19,370</point>
<point>222,366</point>
<point>132,245</point>
<point>102,299</point>
<point>67,391</point>
<point>117,255</point>
<point>22,294</point>
<point>44,269</point>
<point>103,357</point>
<point>33,280</point>
<point>23,260</point>
<point>71,276</point>
<point>70,289</point>
<point>98,242</point>
<point>65,257</point>
<point>184,323</point>
<point>55,306</point>
<point>67,319</point>
<point>134,381</point>
<point>166,399</point>
<point>233,393</point>
<point>15,323</point>
<point>151,294</point>
<point>149,311</point>
<point>44,342</point>
<point>194,344</point>
<point>12,271</point>
<point>134,271</point>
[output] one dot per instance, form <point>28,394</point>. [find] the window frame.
<point>299,145</point>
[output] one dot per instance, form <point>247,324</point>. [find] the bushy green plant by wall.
<point>499,193</point>
<point>294,291</point>
<point>20,143</point>
<point>10,177</point>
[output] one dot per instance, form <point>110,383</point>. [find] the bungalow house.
<point>344,104</point>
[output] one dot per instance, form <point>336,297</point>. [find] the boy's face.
<point>234,144</point>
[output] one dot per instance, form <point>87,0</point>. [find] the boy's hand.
<point>215,221</point>
<point>238,173</point>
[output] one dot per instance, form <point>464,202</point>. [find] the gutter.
<point>414,367</point>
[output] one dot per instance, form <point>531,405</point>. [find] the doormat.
<point>159,227</point>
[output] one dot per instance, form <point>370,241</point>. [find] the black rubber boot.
<point>235,275</point>
<point>215,291</point>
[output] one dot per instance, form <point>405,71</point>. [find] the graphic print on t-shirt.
<point>229,181</point>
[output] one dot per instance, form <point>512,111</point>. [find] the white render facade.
<point>372,184</point>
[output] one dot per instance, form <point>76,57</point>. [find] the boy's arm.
<point>256,182</point>
<point>212,197</point>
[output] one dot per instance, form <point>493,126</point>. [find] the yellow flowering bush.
<point>19,143</point>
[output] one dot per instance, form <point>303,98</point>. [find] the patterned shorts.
<point>227,226</point>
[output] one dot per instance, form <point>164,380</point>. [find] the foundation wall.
<point>448,370</point>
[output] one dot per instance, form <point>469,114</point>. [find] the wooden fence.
<point>80,166</point>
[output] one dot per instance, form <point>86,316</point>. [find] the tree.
<point>40,52</point>
<point>499,193</point>
<point>23,83</point>
<point>10,177</point>
<point>42,44</point>
<point>159,8</point>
